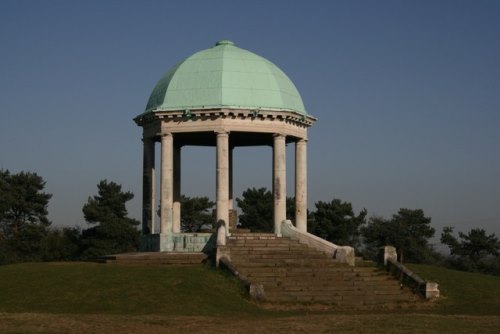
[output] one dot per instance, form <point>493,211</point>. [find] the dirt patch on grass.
<point>324,323</point>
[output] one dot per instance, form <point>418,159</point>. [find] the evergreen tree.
<point>408,230</point>
<point>257,207</point>
<point>256,210</point>
<point>23,216</point>
<point>336,222</point>
<point>113,232</point>
<point>195,213</point>
<point>474,251</point>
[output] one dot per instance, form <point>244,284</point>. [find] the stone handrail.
<point>427,289</point>
<point>343,254</point>
<point>255,291</point>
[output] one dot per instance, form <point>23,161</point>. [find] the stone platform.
<point>156,258</point>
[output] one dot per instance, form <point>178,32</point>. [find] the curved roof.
<point>225,76</point>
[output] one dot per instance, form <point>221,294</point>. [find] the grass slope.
<point>117,289</point>
<point>462,292</point>
<point>55,298</point>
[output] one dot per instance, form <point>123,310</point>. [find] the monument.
<point>225,97</point>
<point>229,97</point>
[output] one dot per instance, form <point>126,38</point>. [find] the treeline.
<point>26,233</point>
<point>409,230</point>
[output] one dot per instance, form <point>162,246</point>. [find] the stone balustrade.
<point>388,257</point>
<point>343,254</point>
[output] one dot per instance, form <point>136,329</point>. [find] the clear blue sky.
<point>407,96</point>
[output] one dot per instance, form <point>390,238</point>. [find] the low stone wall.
<point>343,254</point>
<point>388,257</point>
<point>176,242</point>
<point>255,291</point>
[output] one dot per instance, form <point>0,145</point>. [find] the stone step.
<point>283,255</point>
<point>156,258</point>
<point>343,300</point>
<point>335,292</point>
<point>253,236</point>
<point>285,263</point>
<point>323,281</point>
<point>294,272</point>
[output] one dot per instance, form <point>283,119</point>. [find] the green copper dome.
<point>225,76</point>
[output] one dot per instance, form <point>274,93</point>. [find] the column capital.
<point>279,135</point>
<point>221,133</point>
<point>166,134</point>
<point>302,141</point>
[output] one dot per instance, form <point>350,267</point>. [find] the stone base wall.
<point>176,242</point>
<point>233,220</point>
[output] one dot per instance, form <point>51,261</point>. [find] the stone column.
<point>177,190</point>
<point>230,202</point>
<point>167,184</point>
<point>222,193</point>
<point>148,186</point>
<point>279,181</point>
<point>301,185</point>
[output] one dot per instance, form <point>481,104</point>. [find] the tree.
<point>256,210</point>
<point>336,222</point>
<point>23,216</point>
<point>408,230</point>
<point>113,231</point>
<point>257,207</point>
<point>22,201</point>
<point>195,213</point>
<point>475,245</point>
<point>61,244</point>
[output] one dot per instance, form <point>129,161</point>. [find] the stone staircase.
<point>155,258</point>
<point>291,272</point>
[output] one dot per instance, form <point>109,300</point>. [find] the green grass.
<point>462,292</point>
<point>55,298</point>
<point>90,288</point>
<point>118,289</point>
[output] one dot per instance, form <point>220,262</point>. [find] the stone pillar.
<point>167,184</point>
<point>177,190</point>
<point>279,181</point>
<point>148,186</point>
<point>301,185</point>
<point>387,253</point>
<point>222,178</point>
<point>230,202</point>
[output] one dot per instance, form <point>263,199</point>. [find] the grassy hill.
<point>95,298</point>
<point>120,289</point>
<point>462,292</point>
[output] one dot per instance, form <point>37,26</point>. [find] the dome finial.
<point>224,42</point>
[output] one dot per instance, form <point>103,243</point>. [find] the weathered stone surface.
<point>256,292</point>
<point>387,253</point>
<point>175,242</point>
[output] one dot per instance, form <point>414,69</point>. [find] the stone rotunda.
<point>225,97</point>
<point>229,97</point>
